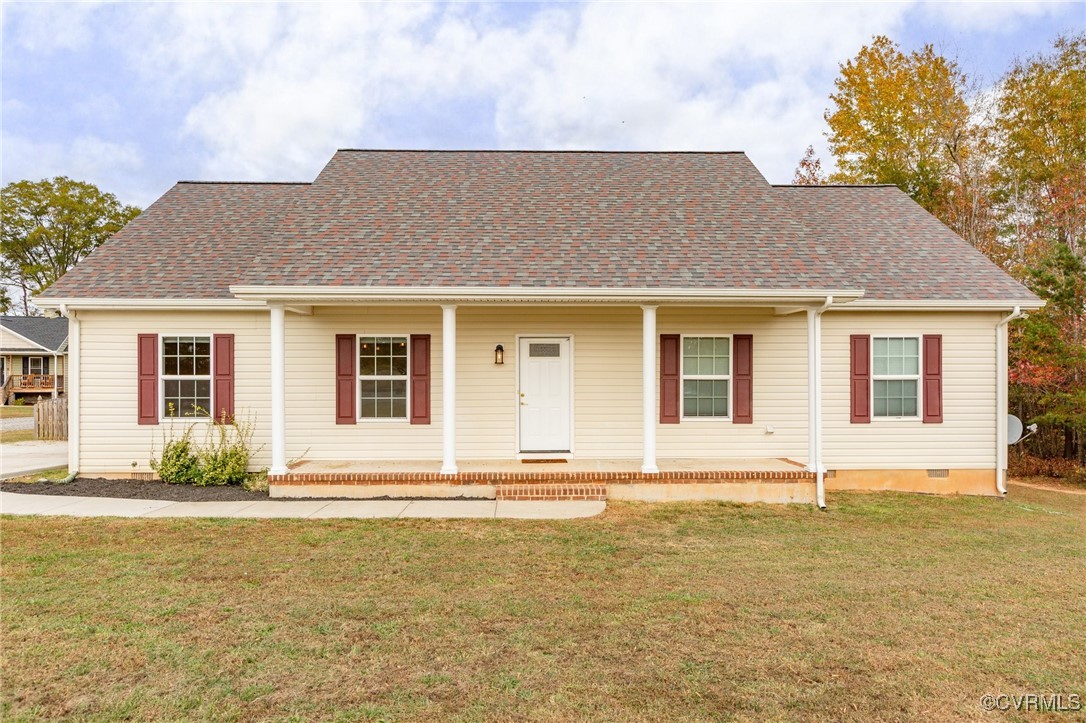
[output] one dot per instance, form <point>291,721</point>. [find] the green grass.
<point>888,606</point>
<point>9,411</point>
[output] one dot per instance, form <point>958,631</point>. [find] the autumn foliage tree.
<point>1006,169</point>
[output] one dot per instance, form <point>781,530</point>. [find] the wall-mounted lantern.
<point>499,355</point>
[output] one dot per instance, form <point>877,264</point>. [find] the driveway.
<point>15,424</point>
<point>28,457</point>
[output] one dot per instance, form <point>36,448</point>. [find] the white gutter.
<point>941,305</point>
<point>814,400</point>
<point>146,304</point>
<point>71,389</point>
<point>1001,398</point>
<point>431,294</point>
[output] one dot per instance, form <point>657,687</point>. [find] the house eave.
<point>944,304</point>
<point>316,296</point>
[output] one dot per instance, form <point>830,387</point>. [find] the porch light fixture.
<point>499,355</point>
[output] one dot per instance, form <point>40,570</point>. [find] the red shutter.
<point>743,379</point>
<point>861,379</point>
<point>670,360</point>
<point>420,379</point>
<point>147,378</point>
<point>933,378</point>
<point>222,399</point>
<point>346,387</point>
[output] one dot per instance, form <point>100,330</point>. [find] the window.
<point>186,376</point>
<point>35,365</point>
<point>382,370</point>
<point>706,376</point>
<point>896,376</point>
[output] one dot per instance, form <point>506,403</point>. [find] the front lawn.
<point>11,436</point>
<point>888,606</point>
<point>13,411</point>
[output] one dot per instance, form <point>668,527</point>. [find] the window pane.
<point>705,397</point>
<point>169,365</point>
<point>369,408</point>
<point>367,366</point>
<point>690,362</point>
<point>690,346</point>
<point>369,390</point>
<point>203,365</point>
<point>895,398</point>
<point>169,346</point>
<point>399,408</point>
<point>383,366</point>
<point>399,365</point>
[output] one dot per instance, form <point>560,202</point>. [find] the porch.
<point>754,479</point>
<point>24,385</point>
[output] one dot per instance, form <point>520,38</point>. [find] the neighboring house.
<point>33,350</point>
<point>649,325</point>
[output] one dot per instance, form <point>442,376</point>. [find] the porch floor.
<point>576,465</point>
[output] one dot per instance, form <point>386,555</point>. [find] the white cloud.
<point>1001,17</point>
<point>272,89</point>
<point>49,27</point>
<point>113,167</point>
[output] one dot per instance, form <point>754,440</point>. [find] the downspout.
<point>72,389</point>
<point>1001,398</point>
<point>814,400</point>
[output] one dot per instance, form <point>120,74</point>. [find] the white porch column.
<point>448,389</point>
<point>648,389</point>
<point>278,390</point>
<point>56,376</point>
<point>71,390</point>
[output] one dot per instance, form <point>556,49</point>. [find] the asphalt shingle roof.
<point>50,332</point>
<point>497,219</point>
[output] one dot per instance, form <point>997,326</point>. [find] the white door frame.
<point>516,398</point>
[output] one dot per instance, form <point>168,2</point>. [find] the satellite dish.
<point>1014,429</point>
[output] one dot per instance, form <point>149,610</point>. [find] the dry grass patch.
<point>10,436</point>
<point>887,606</point>
<point>12,411</point>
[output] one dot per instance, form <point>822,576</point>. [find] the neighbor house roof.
<point>50,334</point>
<point>543,220</point>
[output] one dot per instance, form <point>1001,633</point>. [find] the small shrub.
<point>224,458</point>
<point>178,464</point>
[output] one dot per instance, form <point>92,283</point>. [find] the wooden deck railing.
<point>35,382</point>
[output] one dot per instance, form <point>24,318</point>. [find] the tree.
<point>899,119</point>
<point>1049,367</point>
<point>48,226</point>
<point>1041,147</point>
<point>809,171</point>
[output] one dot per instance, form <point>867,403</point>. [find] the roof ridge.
<point>536,150</point>
<point>833,185</point>
<point>248,183</point>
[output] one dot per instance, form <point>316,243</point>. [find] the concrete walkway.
<point>16,504</point>
<point>23,458</point>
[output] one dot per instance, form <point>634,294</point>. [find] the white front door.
<point>544,394</point>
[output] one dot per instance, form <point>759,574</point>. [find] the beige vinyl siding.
<point>111,440</point>
<point>606,346</point>
<point>9,340</point>
<point>964,440</point>
<point>780,386</point>
<point>312,431</point>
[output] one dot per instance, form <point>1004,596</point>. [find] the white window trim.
<point>41,365</point>
<point>918,377</point>
<point>683,377</point>
<point>406,419</point>
<point>162,376</point>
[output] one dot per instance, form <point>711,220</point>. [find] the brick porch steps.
<point>551,492</point>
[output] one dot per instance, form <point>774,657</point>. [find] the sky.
<point>134,97</point>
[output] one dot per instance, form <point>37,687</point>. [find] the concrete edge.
<point>35,470</point>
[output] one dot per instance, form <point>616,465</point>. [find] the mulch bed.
<point>133,489</point>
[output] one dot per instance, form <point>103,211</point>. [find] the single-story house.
<point>33,352</point>
<point>548,325</point>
